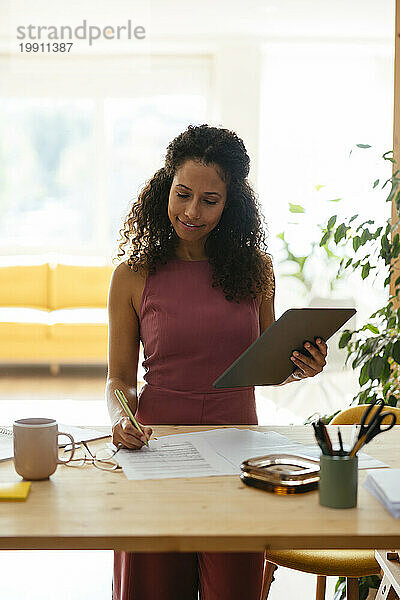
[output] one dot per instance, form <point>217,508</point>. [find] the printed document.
<point>212,452</point>
<point>179,457</point>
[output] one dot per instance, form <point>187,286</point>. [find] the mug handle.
<point>59,460</point>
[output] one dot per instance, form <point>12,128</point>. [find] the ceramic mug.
<point>36,447</point>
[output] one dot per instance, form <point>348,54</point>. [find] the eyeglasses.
<point>103,459</point>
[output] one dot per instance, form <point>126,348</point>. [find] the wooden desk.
<point>84,508</point>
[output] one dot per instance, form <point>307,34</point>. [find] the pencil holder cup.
<point>338,481</point>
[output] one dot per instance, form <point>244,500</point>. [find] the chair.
<point>323,563</point>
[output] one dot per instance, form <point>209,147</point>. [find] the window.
<point>318,101</point>
<point>47,182</point>
<point>71,167</point>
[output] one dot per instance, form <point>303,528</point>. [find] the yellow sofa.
<point>54,314</point>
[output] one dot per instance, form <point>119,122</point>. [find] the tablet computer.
<point>267,360</point>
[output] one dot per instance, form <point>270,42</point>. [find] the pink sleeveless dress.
<point>190,335</point>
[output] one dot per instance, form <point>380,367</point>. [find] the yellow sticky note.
<point>14,491</point>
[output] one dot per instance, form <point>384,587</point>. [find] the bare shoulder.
<point>124,276</point>
<point>123,325</point>
<point>129,283</point>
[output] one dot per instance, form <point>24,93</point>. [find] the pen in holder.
<point>338,481</point>
<point>354,435</point>
<point>339,471</point>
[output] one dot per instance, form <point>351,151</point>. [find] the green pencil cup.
<point>338,481</point>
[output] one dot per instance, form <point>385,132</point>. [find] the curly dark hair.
<point>236,247</point>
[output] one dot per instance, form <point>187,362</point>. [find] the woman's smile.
<point>187,225</point>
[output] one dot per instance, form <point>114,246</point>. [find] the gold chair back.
<point>353,415</point>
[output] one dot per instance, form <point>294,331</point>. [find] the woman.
<point>197,289</point>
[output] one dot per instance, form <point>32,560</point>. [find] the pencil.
<point>357,446</point>
<point>125,407</point>
<point>325,434</point>
<point>320,440</point>
<point>342,452</point>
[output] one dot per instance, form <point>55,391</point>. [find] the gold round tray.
<point>281,473</point>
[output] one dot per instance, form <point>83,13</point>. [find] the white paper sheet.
<point>239,444</point>
<point>169,458</point>
<point>385,486</point>
<point>212,452</point>
<point>364,460</point>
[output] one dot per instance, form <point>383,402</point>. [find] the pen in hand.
<point>119,394</point>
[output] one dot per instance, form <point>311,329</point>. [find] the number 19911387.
<point>45,47</point>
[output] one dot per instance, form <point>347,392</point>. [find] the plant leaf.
<point>386,372</point>
<point>345,338</point>
<point>396,352</point>
<point>331,222</point>
<point>325,238</point>
<point>386,157</point>
<point>375,367</point>
<point>365,270</point>
<point>364,375</point>
<point>340,589</point>
<point>371,328</point>
<point>340,232</point>
<point>295,208</point>
<point>356,242</point>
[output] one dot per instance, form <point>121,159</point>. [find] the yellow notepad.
<point>14,491</point>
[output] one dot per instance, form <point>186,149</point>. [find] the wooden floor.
<point>38,382</point>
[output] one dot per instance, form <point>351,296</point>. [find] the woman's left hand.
<point>309,366</point>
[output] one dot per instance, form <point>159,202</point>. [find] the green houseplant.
<point>372,247</point>
<point>375,347</point>
<point>365,247</point>
<point>317,253</point>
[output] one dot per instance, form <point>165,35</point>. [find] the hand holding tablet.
<point>267,361</point>
<point>311,360</point>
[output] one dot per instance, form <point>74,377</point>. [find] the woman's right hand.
<point>123,432</point>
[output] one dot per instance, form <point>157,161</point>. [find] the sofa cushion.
<point>79,286</point>
<point>22,323</point>
<point>22,285</point>
<point>78,323</point>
